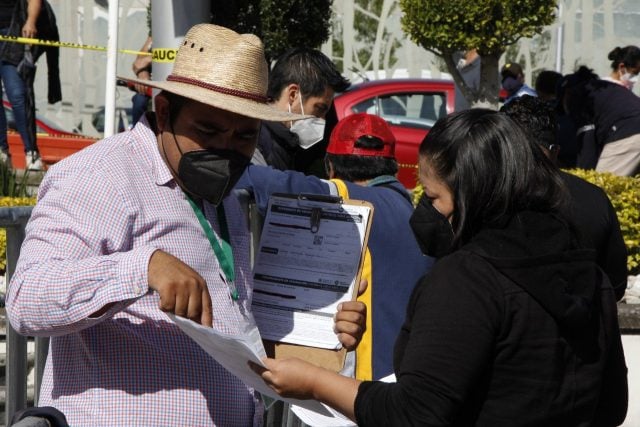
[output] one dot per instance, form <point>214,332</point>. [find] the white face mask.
<point>628,79</point>
<point>310,131</point>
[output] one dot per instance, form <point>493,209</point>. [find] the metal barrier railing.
<point>14,219</point>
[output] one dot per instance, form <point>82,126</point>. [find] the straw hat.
<point>219,67</point>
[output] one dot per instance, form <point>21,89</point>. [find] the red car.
<point>410,106</point>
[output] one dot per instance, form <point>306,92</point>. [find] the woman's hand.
<point>289,377</point>
<point>351,321</point>
<point>295,378</point>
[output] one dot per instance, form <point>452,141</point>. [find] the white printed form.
<point>307,263</point>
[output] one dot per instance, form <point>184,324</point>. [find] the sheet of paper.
<point>301,274</point>
<point>234,352</point>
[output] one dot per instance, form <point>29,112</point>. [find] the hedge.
<point>6,202</point>
<point>624,193</point>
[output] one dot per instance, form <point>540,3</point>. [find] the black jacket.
<point>517,328</point>
<point>278,145</point>
<point>609,112</point>
<point>281,150</point>
<point>598,222</point>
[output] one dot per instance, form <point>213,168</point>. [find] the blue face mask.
<point>511,84</point>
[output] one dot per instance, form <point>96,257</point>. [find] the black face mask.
<point>211,174</point>
<point>431,229</point>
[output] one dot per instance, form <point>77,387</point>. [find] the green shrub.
<point>6,202</point>
<point>624,193</point>
<point>13,192</point>
<point>10,184</point>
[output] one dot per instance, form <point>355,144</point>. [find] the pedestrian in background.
<point>142,69</point>
<point>546,85</point>
<point>30,19</point>
<point>18,18</point>
<point>607,118</point>
<point>592,210</point>
<point>302,81</point>
<point>513,81</point>
<point>625,66</point>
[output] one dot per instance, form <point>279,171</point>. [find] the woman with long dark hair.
<point>514,325</point>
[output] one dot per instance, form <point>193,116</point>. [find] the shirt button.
<point>137,290</point>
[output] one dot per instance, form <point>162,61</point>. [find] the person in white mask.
<point>625,66</point>
<point>607,119</point>
<point>302,81</point>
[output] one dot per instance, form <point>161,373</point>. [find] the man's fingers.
<point>182,304</point>
<point>207,309</point>
<point>194,310</point>
<point>167,302</point>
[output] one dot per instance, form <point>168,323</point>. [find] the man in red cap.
<point>361,165</point>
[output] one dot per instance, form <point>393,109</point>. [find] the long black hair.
<point>493,170</point>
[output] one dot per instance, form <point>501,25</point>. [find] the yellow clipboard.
<point>307,252</point>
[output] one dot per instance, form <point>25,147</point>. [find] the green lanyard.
<point>222,249</point>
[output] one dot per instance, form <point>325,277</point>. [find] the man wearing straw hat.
<point>141,223</point>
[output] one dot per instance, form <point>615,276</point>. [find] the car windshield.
<point>418,110</point>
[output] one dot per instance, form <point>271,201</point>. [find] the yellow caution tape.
<point>25,40</point>
<point>164,55</point>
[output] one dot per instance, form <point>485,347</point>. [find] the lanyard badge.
<point>222,249</point>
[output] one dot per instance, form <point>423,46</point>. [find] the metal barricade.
<point>14,219</point>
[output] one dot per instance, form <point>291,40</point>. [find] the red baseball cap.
<point>350,128</point>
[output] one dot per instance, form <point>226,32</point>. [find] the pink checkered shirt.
<point>100,215</point>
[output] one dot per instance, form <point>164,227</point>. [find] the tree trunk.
<point>489,90</point>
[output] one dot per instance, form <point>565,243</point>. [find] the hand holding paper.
<point>295,378</point>
<point>234,352</point>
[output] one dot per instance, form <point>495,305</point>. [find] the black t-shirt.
<point>6,11</point>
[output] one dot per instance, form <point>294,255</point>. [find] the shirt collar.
<point>381,180</point>
<point>145,131</point>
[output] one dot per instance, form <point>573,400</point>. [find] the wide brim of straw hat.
<point>216,66</point>
<point>244,107</point>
